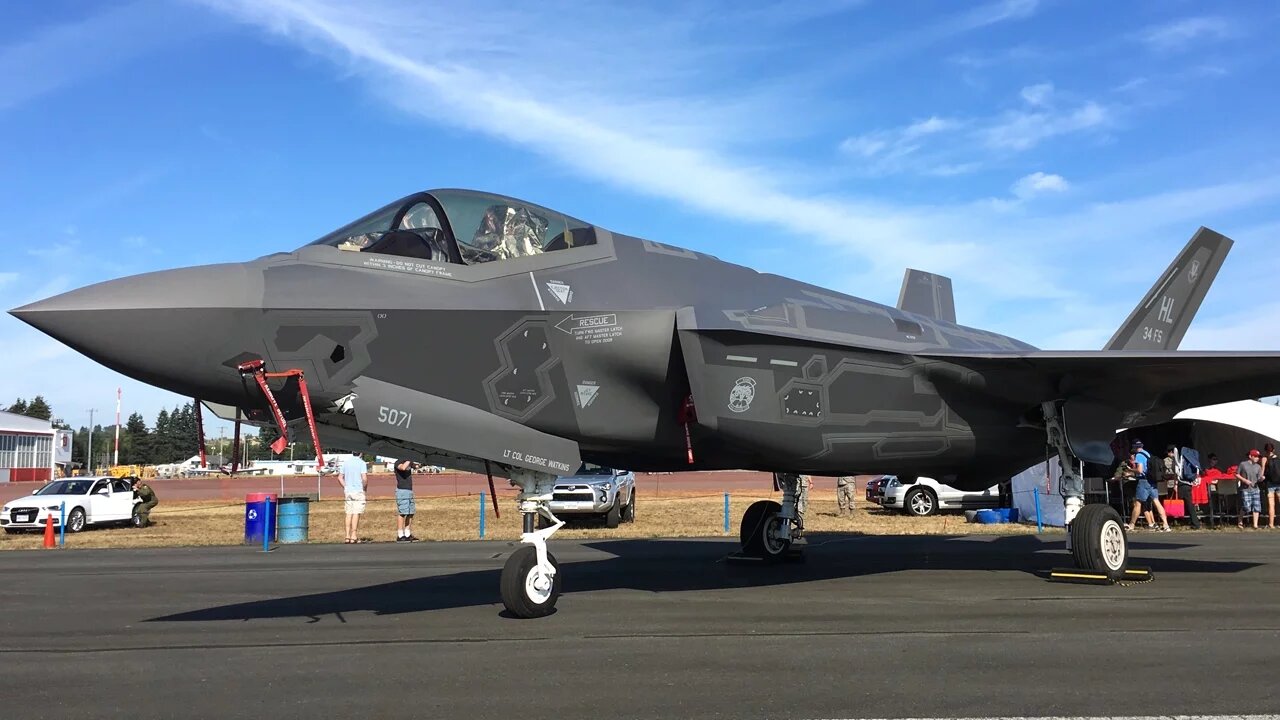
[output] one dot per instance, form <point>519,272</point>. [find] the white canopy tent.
<point>1230,430</point>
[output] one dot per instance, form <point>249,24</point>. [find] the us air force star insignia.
<point>743,392</point>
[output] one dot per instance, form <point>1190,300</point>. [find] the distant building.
<point>30,449</point>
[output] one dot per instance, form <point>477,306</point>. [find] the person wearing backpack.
<point>1146,492</point>
<point>1188,479</point>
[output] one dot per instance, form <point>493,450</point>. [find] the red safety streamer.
<point>688,416</point>
<point>492,492</point>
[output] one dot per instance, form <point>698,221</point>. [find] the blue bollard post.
<point>1039,526</point>
<point>266,527</point>
<point>62,525</point>
<point>481,516</point>
<point>726,512</point>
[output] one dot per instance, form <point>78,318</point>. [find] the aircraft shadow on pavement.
<point>692,565</point>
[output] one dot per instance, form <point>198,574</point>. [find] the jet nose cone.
<point>160,328</point>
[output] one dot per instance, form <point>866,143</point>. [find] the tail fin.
<point>1165,313</point>
<point>927,294</point>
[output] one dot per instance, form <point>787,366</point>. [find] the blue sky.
<point>1050,156</point>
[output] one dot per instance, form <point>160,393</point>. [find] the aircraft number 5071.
<point>393,417</point>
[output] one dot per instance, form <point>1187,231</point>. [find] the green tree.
<point>135,442</point>
<point>39,408</point>
<point>19,407</point>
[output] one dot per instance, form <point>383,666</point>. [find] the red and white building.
<point>30,449</point>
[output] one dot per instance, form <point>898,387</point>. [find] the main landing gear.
<point>1095,533</point>
<point>768,528</point>
<point>530,581</point>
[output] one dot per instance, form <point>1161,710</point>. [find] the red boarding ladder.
<point>258,369</point>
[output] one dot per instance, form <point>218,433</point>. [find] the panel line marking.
<point>537,292</point>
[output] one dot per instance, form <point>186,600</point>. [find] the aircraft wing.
<point>1146,388</point>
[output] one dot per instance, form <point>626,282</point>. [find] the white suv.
<point>927,496</point>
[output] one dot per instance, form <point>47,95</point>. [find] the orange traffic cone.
<point>48,531</point>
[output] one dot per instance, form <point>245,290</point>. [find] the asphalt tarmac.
<point>864,627</point>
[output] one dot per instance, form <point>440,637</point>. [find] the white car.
<point>89,501</point>
<point>927,496</point>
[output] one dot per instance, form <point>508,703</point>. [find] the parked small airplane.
<point>471,330</point>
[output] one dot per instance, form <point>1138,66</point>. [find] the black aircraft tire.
<point>518,596</point>
<point>756,522</point>
<point>1098,540</point>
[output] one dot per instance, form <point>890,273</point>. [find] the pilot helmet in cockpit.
<point>508,231</point>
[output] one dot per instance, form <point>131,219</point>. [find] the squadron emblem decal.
<point>743,392</point>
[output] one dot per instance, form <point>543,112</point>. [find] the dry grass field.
<point>457,518</point>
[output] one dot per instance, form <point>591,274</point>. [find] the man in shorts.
<point>1250,476</point>
<point>405,506</point>
<point>354,476</point>
<point>1146,494</point>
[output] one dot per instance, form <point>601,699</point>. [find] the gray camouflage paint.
<point>588,352</point>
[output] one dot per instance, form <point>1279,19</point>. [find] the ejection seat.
<point>423,243</point>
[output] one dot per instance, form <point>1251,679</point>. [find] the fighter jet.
<point>479,331</point>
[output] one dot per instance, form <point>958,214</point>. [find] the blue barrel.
<point>294,519</point>
<point>988,517</point>
<point>257,517</point>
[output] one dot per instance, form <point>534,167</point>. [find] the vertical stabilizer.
<point>927,294</point>
<point>1165,313</point>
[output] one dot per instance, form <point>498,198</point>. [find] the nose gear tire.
<point>526,592</point>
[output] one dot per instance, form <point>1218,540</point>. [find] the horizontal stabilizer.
<point>1165,313</point>
<point>927,294</point>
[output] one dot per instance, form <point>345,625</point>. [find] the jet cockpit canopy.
<point>461,226</point>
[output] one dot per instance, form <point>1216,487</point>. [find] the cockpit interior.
<point>462,227</point>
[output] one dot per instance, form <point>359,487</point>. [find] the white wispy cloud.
<point>909,148</point>
<point>1185,33</point>
<point>1038,183</point>
<point>60,55</point>
<point>1037,95</point>
<point>532,100</point>
<point>897,142</point>
<point>1024,129</point>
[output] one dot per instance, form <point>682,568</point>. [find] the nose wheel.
<point>528,591</point>
<point>530,582</point>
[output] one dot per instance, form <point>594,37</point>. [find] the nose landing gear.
<point>530,582</point>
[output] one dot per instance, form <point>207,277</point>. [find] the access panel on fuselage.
<point>818,408</point>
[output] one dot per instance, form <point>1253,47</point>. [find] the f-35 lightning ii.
<point>475,330</point>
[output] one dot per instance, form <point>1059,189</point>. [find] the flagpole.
<point>116,461</point>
